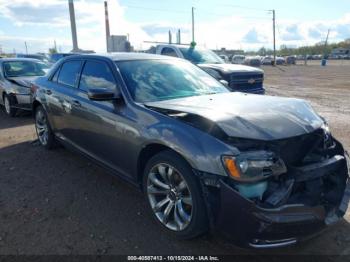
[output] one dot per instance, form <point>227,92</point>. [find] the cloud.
<point>253,37</point>
<point>292,32</point>
<point>154,29</point>
<point>48,20</point>
<point>52,17</point>
<point>343,31</point>
<point>315,33</point>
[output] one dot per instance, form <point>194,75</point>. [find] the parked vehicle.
<point>290,60</point>
<point>16,75</point>
<point>300,57</point>
<point>280,60</point>
<point>57,56</point>
<point>40,57</point>
<point>238,59</point>
<point>267,60</point>
<point>253,61</point>
<point>333,57</point>
<point>263,170</point>
<point>238,77</point>
<point>224,58</point>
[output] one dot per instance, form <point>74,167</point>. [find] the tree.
<point>262,51</point>
<point>52,50</point>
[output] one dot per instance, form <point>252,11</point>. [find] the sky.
<point>233,24</point>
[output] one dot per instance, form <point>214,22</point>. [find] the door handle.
<point>48,91</point>
<point>76,103</point>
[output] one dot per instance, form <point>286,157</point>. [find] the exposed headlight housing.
<point>326,128</point>
<point>253,166</point>
<point>327,140</point>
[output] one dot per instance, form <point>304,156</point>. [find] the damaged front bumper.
<point>251,224</point>
<point>248,225</point>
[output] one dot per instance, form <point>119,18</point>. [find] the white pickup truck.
<point>239,77</point>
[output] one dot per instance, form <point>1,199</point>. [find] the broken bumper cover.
<point>249,225</point>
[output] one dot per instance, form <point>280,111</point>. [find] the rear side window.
<point>55,76</point>
<point>96,75</point>
<point>69,73</point>
<point>169,52</point>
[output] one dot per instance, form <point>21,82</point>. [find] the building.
<point>341,51</point>
<point>118,43</point>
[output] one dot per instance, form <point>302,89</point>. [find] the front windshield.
<point>200,56</point>
<point>156,80</point>
<point>24,68</point>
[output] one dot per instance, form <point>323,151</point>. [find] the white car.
<point>238,59</point>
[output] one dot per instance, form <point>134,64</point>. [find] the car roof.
<point>12,59</point>
<point>124,56</point>
<point>65,54</point>
<point>29,55</point>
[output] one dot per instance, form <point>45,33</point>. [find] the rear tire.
<point>174,195</point>
<point>43,128</point>
<point>8,104</point>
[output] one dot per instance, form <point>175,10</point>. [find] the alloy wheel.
<point>169,197</point>
<point>42,128</point>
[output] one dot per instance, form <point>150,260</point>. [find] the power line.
<point>201,12</point>
<point>156,9</point>
<point>246,7</point>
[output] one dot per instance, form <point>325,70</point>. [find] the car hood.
<point>232,68</point>
<point>22,80</point>
<point>249,116</point>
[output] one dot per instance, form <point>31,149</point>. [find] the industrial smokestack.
<point>178,37</point>
<point>73,26</point>
<point>107,24</point>
<point>170,37</point>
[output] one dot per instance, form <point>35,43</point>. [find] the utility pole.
<point>55,45</point>
<point>108,34</point>
<point>192,24</point>
<point>326,42</point>
<point>274,36</point>
<point>73,25</point>
<point>25,43</point>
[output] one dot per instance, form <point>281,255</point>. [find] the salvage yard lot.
<point>57,202</point>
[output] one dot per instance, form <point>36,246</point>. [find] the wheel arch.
<point>36,103</point>
<point>147,153</point>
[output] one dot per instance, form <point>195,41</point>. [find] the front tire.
<point>8,104</point>
<point>174,195</point>
<point>43,128</point>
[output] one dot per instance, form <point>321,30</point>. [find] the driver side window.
<point>96,75</point>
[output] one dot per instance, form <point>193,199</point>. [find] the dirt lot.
<point>57,202</point>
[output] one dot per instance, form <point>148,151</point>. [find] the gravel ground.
<point>57,202</point>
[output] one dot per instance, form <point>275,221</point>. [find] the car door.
<point>101,125</point>
<point>60,94</point>
<point>2,84</point>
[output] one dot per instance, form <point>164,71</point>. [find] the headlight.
<point>326,128</point>
<point>253,166</point>
<point>327,140</point>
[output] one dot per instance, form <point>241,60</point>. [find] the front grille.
<point>245,82</point>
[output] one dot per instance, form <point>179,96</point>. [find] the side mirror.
<point>102,94</point>
<point>224,82</point>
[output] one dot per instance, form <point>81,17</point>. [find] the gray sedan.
<point>16,75</point>
<point>264,171</point>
